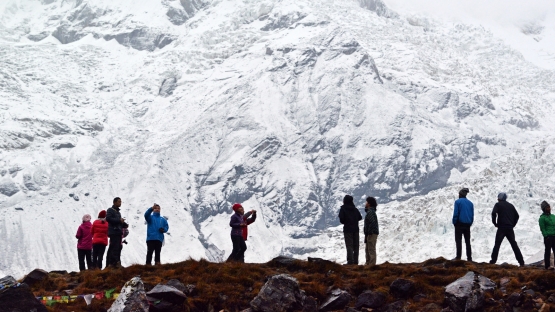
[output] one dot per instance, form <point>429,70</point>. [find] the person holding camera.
<point>238,223</point>
<point>115,232</point>
<point>156,227</point>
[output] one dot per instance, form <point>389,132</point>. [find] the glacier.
<point>284,106</point>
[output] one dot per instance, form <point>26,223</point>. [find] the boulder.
<point>167,293</point>
<point>177,285</point>
<point>320,260</point>
<point>337,300</point>
<point>282,293</point>
<point>397,306</point>
<point>35,276</point>
<point>7,282</point>
<point>18,297</point>
<point>282,260</point>
<point>467,293</point>
<point>370,299</point>
<point>132,297</point>
<point>402,288</point>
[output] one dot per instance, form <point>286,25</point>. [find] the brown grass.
<point>231,286</point>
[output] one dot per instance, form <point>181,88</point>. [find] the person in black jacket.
<point>505,217</point>
<point>371,230</point>
<point>349,216</point>
<point>115,232</point>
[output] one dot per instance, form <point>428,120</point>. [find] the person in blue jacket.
<point>156,227</point>
<point>463,217</point>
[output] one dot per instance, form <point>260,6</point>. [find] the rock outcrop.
<point>282,293</point>
<point>467,293</point>
<point>35,276</point>
<point>16,297</point>
<point>166,298</point>
<point>132,297</point>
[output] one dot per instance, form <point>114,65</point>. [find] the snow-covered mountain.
<point>285,106</point>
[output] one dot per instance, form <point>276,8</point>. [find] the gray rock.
<point>167,87</point>
<point>467,293</point>
<point>402,288</point>
<point>167,293</point>
<point>60,145</point>
<point>283,260</point>
<point>142,39</point>
<point>19,298</point>
<point>8,188</point>
<point>379,7</point>
<point>282,293</point>
<point>337,300</point>
<point>35,276</point>
<point>370,299</point>
<point>30,183</point>
<point>132,297</point>
<point>177,285</point>
<point>7,281</point>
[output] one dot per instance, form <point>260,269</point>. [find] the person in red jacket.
<point>239,232</point>
<point>84,243</point>
<point>100,239</point>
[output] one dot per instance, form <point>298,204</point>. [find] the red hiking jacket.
<point>100,232</point>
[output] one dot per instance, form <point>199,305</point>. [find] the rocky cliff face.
<point>282,105</point>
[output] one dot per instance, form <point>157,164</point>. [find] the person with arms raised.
<point>156,227</point>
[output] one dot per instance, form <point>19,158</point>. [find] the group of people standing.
<point>110,230</point>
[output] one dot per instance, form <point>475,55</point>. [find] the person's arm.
<point>456,213</point>
<point>235,222</point>
<point>366,228</point>
<point>92,228</point>
<point>471,213</point>
<point>516,215</point>
<point>375,229</point>
<point>251,219</point>
<point>112,218</point>
<point>79,233</point>
<point>166,225</point>
<point>148,215</point>
<point>359,215</point>
<point>542,226</point>
<point>494,215</point>
<point>341,216</point>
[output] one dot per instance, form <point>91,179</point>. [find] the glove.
<point>161,230</point>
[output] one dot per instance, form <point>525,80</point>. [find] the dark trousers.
<point>239,248</point>
<point>98,255</point>
<point>549,243</point>
<point>510,235</point>
<point>153,246</point>
<point>114,250</point>
<point>83,254</point>
<point>461,231</point>
<point>352,244</point>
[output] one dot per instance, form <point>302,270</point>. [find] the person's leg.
<point>101,250</point>
<point>552,244</point>
<point>547,252</point>
<point>88,257</point>
<point>81,256</point>
<point>466,234</point>
<point>372,241</point>
<point>114,250</point>
<point>356,247</point>
<point>367,250</point>
<point>236,248</point>
<point>243,246</point>
<point>149,251</point>
<point>349,245</point>
<point>458,242</point>
<point>95,256</point>
<point>157,250</point>
<point>499,236</point>
<point>510,233</point>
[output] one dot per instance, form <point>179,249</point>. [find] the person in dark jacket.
<point>84,243</point>
<point>156,227</point>
<point>547,226</point>
<point>505,217</point>
<point>463,217</point>
<point>115,232</point>
<point>349,216</point>
<point>371,230</point>
<point>100,239</point>
<point>238,223</point>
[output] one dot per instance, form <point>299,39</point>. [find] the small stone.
<point>370,299</point>
<point>337,300</point>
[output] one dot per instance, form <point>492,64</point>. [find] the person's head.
<point>238,208</point>
<point>117,202</point>
<point>463,192</point>
<point>156,208</point>
<point>501,196</point>
<point>371,202</point>
<point>87,218</point>
<point>546,208</point>
<point>348,200</point>
<point>102,214</point>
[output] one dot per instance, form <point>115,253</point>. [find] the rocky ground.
<point>286,284</point>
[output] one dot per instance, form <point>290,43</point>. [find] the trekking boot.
<point>492,262</point>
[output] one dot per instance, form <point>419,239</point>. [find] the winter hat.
<point>502,196</point>
<point>348,199</point>
<point>544,205</point>
<point>87,218</point>
<point>102,214</point>
<point>236,206</point>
